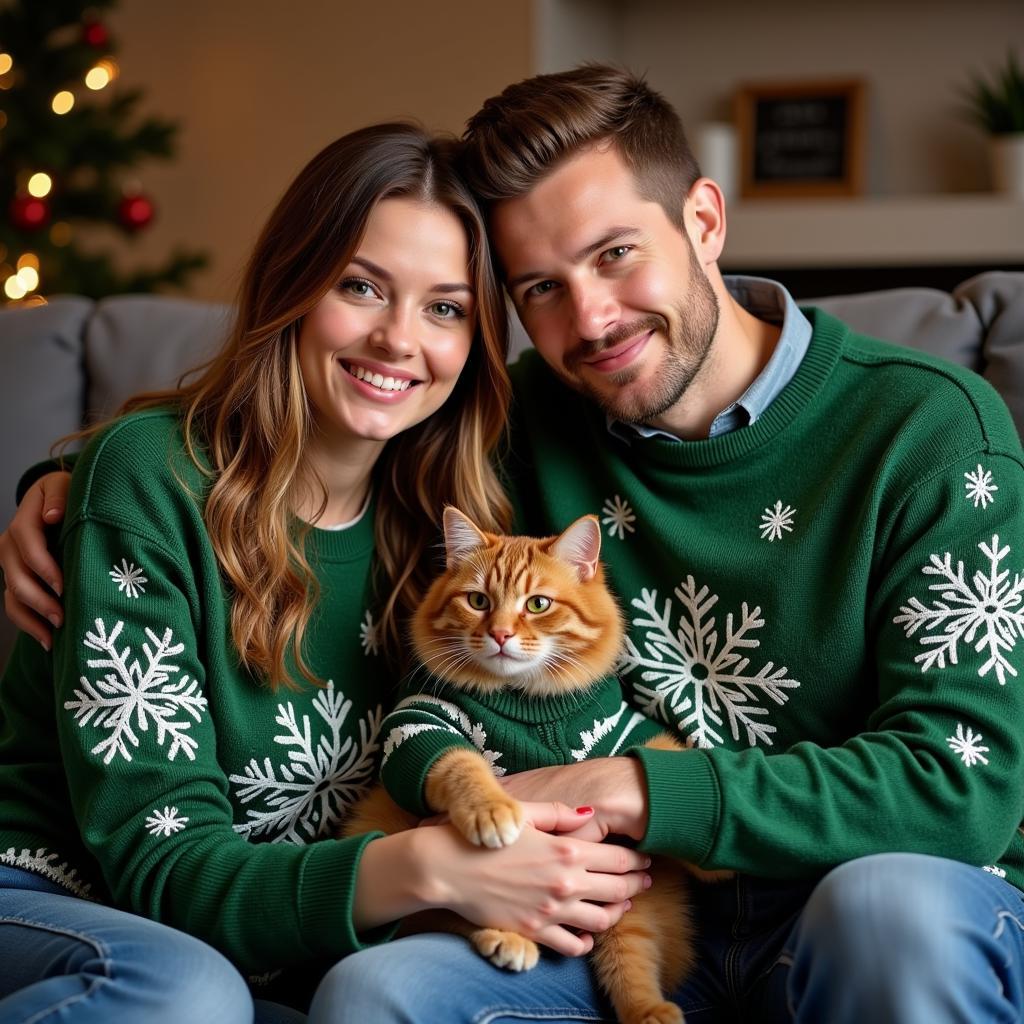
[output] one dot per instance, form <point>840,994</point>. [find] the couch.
<point>72,361</point>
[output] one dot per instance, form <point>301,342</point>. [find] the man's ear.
<point>461,536</point>
<point>704,216</point>
<point>580,546</point>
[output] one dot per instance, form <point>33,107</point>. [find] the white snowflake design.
<point>995,869</point>
<point>126,700</point>
<point>968,746</point>
<point>128,578</point>
<point>368,637</point>
<point>45,863</point>
<point>774,521</point>
<point>165,822</point>
<point>305,798</point>
<point>988,613</point>
<point>590,738</point>
<point>456,721</point>
<point>691,681</point>
<point>618,517</point>
<point>980,488</point>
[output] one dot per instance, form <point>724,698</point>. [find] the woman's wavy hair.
<point>246,418</point>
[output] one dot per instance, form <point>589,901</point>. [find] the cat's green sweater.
<point>511,729</point>
<point>828,605</point>
<point>199,792</point>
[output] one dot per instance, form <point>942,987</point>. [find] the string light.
<point>28,278</point>
<point>28,259</point>
<point>100,76</point>
<point>63,102</point>
<point>60,233</point>
<point>6,63</point>
<point>13,288</point>
<point>39,185</point>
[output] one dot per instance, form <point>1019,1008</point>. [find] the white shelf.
<point>882,231</point>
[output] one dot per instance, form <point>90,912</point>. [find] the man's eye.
<point>477,601</point>
<point>616,252</point>
<point>540,288</point>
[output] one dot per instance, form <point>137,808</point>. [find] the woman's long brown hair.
<point>246,418</point>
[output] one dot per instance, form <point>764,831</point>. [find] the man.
<point>818,541</point>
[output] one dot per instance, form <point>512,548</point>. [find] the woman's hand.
<point>545,887</point>
<point>31,576</point>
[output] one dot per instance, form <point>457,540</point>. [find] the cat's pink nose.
<point>501,635</point>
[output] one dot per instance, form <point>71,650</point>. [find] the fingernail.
<point>50,512</point>
<point>647,863</point>
<point>45,645</point>
<point>584,810</point>
<point>647,881</point>
<point>629,904</point>
<point>55,619</point>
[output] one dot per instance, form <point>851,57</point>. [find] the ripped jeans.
<point>889,939</point>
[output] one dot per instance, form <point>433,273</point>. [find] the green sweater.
<point>514,732</point>
<point>828,605</point>
<point>200,793</point>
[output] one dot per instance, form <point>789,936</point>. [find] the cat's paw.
<point>495,823</point>
<point>506,949</point>
<point>657,1013</point>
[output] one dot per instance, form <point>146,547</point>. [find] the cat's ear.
<point>461,536</point>
<point>580,546</point>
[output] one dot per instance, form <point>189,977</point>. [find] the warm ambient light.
<point>13,288</point>
<point>39,185</point>
<point>63,102</point>
<point>28,259</point>
<point>28,278</point>
<point>6,63</point>
<point>97,78</point>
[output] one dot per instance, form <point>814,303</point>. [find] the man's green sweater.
<point>200,793</point>
<point>827,605</point>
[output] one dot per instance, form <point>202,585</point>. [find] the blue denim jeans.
<point>890,939</point>
<point>66,959</point>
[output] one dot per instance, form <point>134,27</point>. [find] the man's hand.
<point>615,787</point>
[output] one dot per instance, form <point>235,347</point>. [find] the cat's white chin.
<point>505,666</point>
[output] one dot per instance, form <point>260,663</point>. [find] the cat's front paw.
<point>506,949</point>
<point>657,1013</point>
<point>495,823</point>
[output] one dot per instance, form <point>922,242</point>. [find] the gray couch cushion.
<point>139,343</point>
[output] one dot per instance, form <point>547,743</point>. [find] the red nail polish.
<point>584,810</point>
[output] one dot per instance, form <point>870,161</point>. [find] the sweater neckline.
<point>343,545</point>
<point>817,364</point>
<point>595,701</point>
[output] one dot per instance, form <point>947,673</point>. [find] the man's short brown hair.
<point>517,139</point>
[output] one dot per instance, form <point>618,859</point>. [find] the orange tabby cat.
<point>535,615</point>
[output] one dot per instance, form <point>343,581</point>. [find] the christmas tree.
<point>68,137</point>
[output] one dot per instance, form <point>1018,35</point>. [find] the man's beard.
<point>687,348</point>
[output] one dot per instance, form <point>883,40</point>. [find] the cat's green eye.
<point>537,604</point>
<point>477,601</point>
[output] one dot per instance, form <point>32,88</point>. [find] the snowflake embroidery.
<point>44,863</point>
<point>321,779</point>
<point>774,521</point>
<point>980,488</point>
<point>590,738</point>
<point>457,722</point>
<point>691,681</point>
<point>128,578</point>
<point>165,822</point>
<point>368,635</point>
<point>988,613</point>
<point>968,746</point>
<point>128,698</point>
<point>995,869</point>
<point>618,517</point>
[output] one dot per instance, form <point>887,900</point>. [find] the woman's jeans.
<point>889,939</point>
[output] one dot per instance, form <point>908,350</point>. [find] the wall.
<point>259,86</point>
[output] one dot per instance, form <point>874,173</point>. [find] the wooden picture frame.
<point>801,138</point>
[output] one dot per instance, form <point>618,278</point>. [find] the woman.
<point>239,554</point>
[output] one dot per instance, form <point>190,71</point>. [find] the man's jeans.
<point>890,939</point>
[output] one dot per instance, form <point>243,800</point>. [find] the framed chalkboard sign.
<point>801,138</point>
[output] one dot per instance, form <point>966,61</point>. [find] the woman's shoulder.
<point>138,459</point>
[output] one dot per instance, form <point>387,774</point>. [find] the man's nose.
<point>595,310</point>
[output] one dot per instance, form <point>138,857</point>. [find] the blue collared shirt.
<point>767,300</point>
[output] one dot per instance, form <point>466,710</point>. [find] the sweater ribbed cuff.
<point>326,897</point>
<point>404,774</point>
<point>684,803</point>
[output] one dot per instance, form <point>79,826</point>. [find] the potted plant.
<point>997,107</point>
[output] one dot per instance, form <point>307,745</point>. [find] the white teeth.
<point>378,380</point>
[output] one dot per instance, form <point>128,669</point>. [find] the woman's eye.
<point>358,287</point>
<point>448,311</point>
<point>477,601</point>
<point>537,604</point>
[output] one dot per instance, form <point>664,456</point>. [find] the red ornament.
<point>95,34</point>
<point>135,211</point>
<point>29,213</point>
